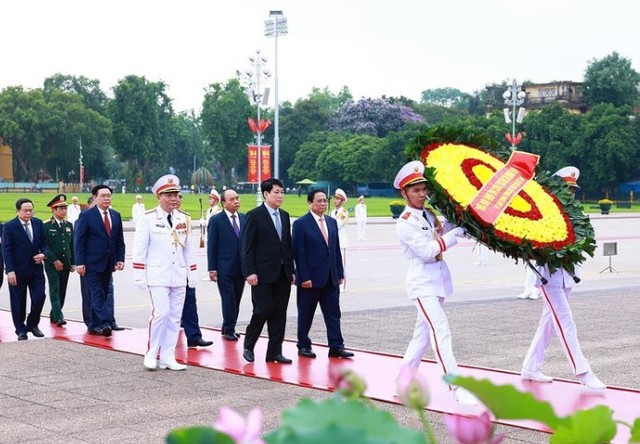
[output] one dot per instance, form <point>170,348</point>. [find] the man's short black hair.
<point>268,184</point>
<point>22,201</point>
<point>312,194</point>
<point>97,188</point>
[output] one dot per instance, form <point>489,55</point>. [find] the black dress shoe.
<point>36,332</point>
<point>22,337</point>
<point>306,352</point>
<point>340,353</point>
<point>230,337</point>
<point>237,335</point>
<point>116,327</point>
<point>61,322</point>
<point>248,355</point>
<point>199,343</point>
<point>279,359</point>
<point>106,331</point>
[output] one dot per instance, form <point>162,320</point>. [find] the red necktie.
<point>107,224</point>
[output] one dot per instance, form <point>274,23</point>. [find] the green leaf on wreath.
<point>197,435</point>
<point>340,421</point>
<point>591,426</point>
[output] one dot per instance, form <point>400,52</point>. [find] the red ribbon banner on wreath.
<point>496,195</point>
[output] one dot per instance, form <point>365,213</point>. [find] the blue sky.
<point>374,47</point>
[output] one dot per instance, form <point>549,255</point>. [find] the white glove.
<point>460,232</point>
<point>142,285</point>
<point>202,222</point>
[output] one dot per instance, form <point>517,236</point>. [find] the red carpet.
<point>378,369</point>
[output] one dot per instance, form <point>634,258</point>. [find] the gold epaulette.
<point>184,212</point>
<point>150,211</point>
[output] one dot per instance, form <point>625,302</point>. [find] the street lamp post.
<point>253,78</point>
<point>273,27</point>
<point>514,97</point>
<point>81,166</point>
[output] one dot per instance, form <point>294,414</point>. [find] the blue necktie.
<point>278,224</point>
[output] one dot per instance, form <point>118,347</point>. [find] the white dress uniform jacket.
<point>341,215</point>
<point>423,245</point>
<point>163,255</point>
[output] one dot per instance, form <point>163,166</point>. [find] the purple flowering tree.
<point>375,117</point>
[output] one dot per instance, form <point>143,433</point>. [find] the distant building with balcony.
<point>569,95</point>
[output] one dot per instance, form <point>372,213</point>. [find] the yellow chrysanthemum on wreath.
<point>534,215</point>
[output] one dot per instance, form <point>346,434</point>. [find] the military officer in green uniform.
<point>59,263</point>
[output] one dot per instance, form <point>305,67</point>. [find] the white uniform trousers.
<point>556,315</point>
<point>362,227</point>
<point>432,328</point>
<point>164,325</point>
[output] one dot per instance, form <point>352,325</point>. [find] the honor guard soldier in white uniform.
<point>341,215</point>
<point>163,259</point>
<point>424,238</point>
<point>214,209</point>
<point>557,317</point>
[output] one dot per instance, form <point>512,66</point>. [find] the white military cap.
<point>341,194</point>
<point>168,183</point>
<point>570,174</point>
<point>214,194</point>
<point>411,173</point>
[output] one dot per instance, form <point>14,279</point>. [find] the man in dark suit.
<point>99,250</point>
<point>267,262</point>
<point>59,263</point>
<point>223,255</point>
<point>319,274</point>
<point>24,247</point>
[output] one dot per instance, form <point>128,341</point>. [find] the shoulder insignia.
<point>150,211</point>
<point>406,215</point>
<point>184,212</point>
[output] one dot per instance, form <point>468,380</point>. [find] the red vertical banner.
<point>81,175</point>
<point>266,161</point>
<point>252,164</point>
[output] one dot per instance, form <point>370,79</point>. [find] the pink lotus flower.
<point>472,429</point>
<point>234,425</point>
<point>412,388</point>
<point>347,382</point>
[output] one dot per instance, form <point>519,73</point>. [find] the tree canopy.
<point>611,80</point>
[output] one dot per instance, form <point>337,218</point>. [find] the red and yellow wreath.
<point>539,222</point>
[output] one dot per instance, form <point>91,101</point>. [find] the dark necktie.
<point>107,224</point>
<point>424,214</point>
<point>234,224</point>
<point>169,220</point>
